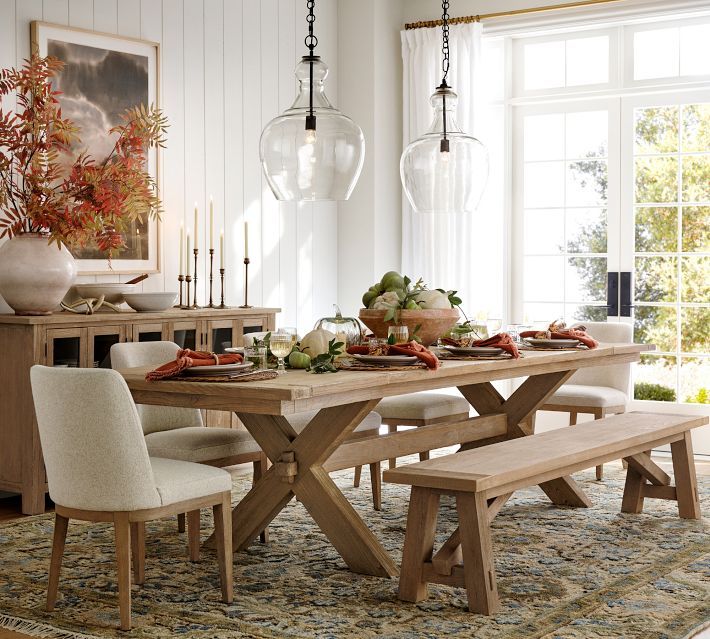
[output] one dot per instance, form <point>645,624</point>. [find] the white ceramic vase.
<point>34,275</point>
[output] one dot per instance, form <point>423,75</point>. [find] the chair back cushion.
<point>154,418</point>
<point>91,436</point>
<point>617,376</point>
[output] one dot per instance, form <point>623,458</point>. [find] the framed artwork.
<point>104,75</point>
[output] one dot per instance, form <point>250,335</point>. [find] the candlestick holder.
<point>194,279</point>
<point>246,284</point>
<point>180,304</point>
<point>211,304</point>
<point>221,277</point>
<point>188,280</point>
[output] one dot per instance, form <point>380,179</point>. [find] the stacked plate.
<point>474,351</point>
<point>387,360</point>
<point>552,343</point>
<point>221,370</point>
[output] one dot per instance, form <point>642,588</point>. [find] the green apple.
<point>299,360</point>
<point>392,280</point>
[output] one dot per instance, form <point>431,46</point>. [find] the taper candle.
<point>182,248</point>
<point>188,254</point>
<point>211,223</point>
<point>246,239</point>
<point>221,249</point>
<point>197,243</point>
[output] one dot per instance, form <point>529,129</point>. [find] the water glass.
<point>256,355</point>
<point>281,345</point>
<point>493,325</point>
<point>400,333</point>
<point>291,331</point>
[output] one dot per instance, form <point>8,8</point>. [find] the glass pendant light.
<point>445,170</point>
<point>312,151</point>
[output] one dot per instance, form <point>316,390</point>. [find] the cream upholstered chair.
<point>98,469</point>
<point>179,433</point>
<point>597,390</point>
<point>421,409</point>
<point>366,428</point>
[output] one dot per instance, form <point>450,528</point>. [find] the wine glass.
<point>281,345</point>
<point>291,332</point>
<point>493,325</point>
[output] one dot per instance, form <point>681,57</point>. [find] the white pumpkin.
<point>433,299</point>
<point>316,342</point>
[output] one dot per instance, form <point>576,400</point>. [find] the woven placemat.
<point>352,365</point>
<point>256,376</point>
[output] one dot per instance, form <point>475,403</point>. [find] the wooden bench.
<point>483,479</point>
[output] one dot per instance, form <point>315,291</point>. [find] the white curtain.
<point>449,251</point>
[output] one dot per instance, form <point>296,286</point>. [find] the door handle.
<point>625,286</point>
<point>612,294</point>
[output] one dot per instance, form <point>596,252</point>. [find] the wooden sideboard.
<point>67,339</point>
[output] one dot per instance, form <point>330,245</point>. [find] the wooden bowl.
<point>434,322</point>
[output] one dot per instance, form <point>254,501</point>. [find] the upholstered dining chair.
<point>597,390</point>
<point>180,433</point>
<point>98,470</point>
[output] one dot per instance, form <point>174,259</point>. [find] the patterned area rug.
<point>562,573</point>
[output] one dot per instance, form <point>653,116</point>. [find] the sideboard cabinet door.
<point>66,347</point>
<point>99,341</point>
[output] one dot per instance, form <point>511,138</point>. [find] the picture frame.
<point>105,74</point>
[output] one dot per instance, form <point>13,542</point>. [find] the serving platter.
<point>387,360</point>
<point>473,351</point>
<point>552,343</point>
<point>217,370</point>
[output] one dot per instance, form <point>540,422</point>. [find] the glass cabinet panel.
<point>152,332</point>
<point>66,348</point>
<point>185,335</point>
<point>220,338</point>
<point>100,341</point>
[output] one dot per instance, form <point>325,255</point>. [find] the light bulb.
<point>310,136</point>
<point>444,156</point>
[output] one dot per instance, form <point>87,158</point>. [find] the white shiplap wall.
<point>226,70</point>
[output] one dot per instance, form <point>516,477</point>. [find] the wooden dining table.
<point>301,462</point>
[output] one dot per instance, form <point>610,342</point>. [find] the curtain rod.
<point>505,14</point>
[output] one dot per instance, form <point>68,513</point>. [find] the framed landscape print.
<point>103,76</point>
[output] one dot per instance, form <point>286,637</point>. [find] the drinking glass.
<point>257,355</point>
<point>281,345</point>
<point>376,346</point>
<point>401,334</point>
<point>291,331</point>
<point>493,326</point>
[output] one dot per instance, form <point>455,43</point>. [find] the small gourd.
<point>346,329</point>
<point>316,342</point>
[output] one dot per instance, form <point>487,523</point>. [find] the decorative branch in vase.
<point>49,195</point>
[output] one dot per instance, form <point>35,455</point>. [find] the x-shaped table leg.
<point>298,470</point>
<point>520,407</point>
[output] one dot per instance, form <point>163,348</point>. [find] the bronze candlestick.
<point>181,279</point>
<point>188,279</point>
<point>194,279</point>
<point>211,304</point>
<point>221,276</point>
<point>246,283</point>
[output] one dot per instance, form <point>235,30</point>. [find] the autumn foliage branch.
<point>44,188</point>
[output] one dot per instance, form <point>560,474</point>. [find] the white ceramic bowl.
<point>150,302</point>
<point>113,292</point>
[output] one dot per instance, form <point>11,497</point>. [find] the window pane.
<point>695,380</point>
<point>544,231</point>
<point>656,325</point>
<point>656,279</point>
<point>585,313</point>
<point>695,49</point>
<point>586,183</point>
<point>586,230</point>
<point>536,313</point>
<point>696,178</point>
<point>695,330</point>
<point>696,127</point>
<point>656,229</point>
<point>656,179</point>
<point>586,279</point>
<point>544,137</point>
<point>544,278</point>
<point>544,65</point>
<point>544,184</point>
<point>695,280</point>
<point>588,61</point>
<point>656,54</point>
<point>696,228</point>
<point>656,130</point>
<point>655,378</point>
<point>587,134</point>
<point>493,69</point>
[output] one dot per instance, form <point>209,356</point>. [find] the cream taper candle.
<point>189,250</point>
<point>246,240</point>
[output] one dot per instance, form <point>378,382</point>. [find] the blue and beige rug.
<point>562,573</point>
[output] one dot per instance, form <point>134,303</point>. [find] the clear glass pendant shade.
<point>437,181</point>
<point>315,164</point>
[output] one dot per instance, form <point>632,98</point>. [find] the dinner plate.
<point>388,360</point>
<point>481,351</point>
<point>552,343</point>
<point>221,369</point>
<point>234,349</point>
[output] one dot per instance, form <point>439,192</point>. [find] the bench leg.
<point>686,483</point>
<point>479,571</point>
<point>392,428</point>
<point>632,501</point>
<point>418,543</point>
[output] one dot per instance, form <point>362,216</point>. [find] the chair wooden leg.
<point>181,522</point>
<point>686,482</point>
<point>376,481</point>
<point>358,474</point>
<point>138,551</point>
<point>55,565</point>
<point>478,568</point>
<point>260,468</point>
<point>418,543</point>
<point>122,529</point>
<point>572,419</point>
<point>599,470</point>
<point>223,537</point>
<point>392,462</point>
<point>423,456</point>
<point>193,534</point>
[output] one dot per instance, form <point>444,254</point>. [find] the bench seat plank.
<point>496,468</point>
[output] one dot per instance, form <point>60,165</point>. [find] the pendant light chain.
<point>311,42</point>
<point>444,146</point>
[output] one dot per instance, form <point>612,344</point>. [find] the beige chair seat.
<point>425,405</point>
<point>178,481</point>
<point>200,444</point>
<point>582,395</point>
<point>299,421</point>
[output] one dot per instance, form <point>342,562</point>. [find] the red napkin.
<point>410,348</point>
<point>568,333</point>
<point>501,340</point>
<point>186,358</point>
